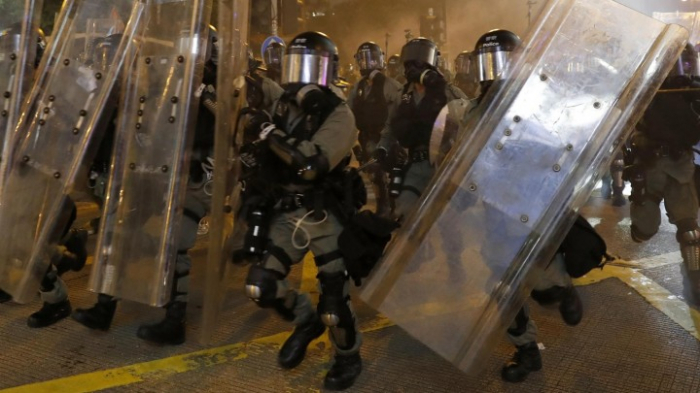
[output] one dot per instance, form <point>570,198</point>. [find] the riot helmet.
<point>393,66</point>
<point>420,51</point>
<point>311,58</point>
<point>686,69</point>
<point>369,57</point>
<point>273,54</point>
<point>493,51</point>
<point>464,63</point>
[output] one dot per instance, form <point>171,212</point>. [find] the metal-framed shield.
<point>446,129</point>
<point>233,33</point>
<point>19,39</point>
<point>689,20</point>
<point>63,111</point>
<point>459,269</point>
<point>142,215</point>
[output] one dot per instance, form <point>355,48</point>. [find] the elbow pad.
<point>307,168</point>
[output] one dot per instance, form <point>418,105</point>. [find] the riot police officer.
<point>307,149</point>
<point>663,168</point>
<point>394,69</point>
<point>554,284</point>
<point>423,96</point>
<point>272,58</point>
<point>465,74</point>
<point>171,330</point>
<point>370,100</point>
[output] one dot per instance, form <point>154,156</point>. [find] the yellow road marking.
<point>673,307</point>
<point>308,275</point>
<point>162,368</point>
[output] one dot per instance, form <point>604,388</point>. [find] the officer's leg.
<point>645,212</point>
<point>416,179</point>
<point>54,294</point>
<point>523,334</point>
<point>618,185</point>
<point>335,309</point>
<point>171,330</point>
<point>554,286</point>
<point>681,205</point>
<point>379,183</point>
<point>268,287</point>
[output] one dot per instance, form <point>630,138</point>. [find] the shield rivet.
<point>57,175</point>
<point>52,98</point>
<point>4,113</point>
<point>66,62</point>
<point>142,99</point>
<point>543,77</point>
<point>132,166</point>
<point>524,218</point>
<point>25,159</point>
<point>472,187</point>
<point>171,119</point>
<point>517,119</point>
<point>508,132</point>
<point>174,100</point>
<point>47,110</point>
<point>98,76</point>
<point>42,122</point>
<point>7,94</point>
<point>569,147</point>
<point>148,60</point>
<point>180,59</point>
<point>13,57</point>
<point>556,168</point>
<point>596,105</point>
<point>76,131</point>
<point>83,112</point>
<point>499,146</point>
<point>164,168</point>
<point>138,126</point>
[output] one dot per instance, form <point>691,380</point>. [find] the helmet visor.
<point>306,68</point>
<point>491,65</point>
<point>370,59</point>
<point>422,53</point>
<point>463,65</point>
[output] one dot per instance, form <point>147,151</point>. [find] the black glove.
<point>249,155</point>
<point>432,78</point>
<point>313,101</point>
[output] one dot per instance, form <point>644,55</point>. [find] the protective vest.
<point>412,124</point>
<point>673,118</point>
<point>371,111</point>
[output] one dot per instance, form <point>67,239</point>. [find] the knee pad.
<point>690,248</point>
<point>261,285</point>
<point>334,309</point>
<point>638,236</point>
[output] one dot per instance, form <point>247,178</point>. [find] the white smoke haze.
<point>357,21</point>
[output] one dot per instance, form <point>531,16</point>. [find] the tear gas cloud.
<point>386,21</point>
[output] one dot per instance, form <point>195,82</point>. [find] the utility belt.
<point>294,200</point>
<point>667,150</point>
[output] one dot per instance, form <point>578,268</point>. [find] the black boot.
<point>344,372</point>
<point>294,349</point>
<point>4,296</point>
<point>525,360</point>
<point>76,256</point>
<point>49,314</point>
<point>548,296</point>
<point>170,330</point>
<point>100,315</point>
<point>571,308</point>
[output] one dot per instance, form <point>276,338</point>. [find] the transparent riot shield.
<point>63,111</point>
<point>19,39</point>
<point>689,20</point>
<point>138,237</point>
<point>459,268</point>
<point>233,19</point>
<point>445,129</point>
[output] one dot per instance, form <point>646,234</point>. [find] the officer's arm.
<point>328,147</point>
<point>351,96</point>
<point>388,139</point>
<point>271,93</point>
<point>454,93</point>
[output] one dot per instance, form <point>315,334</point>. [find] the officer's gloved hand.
<point>380,154</point>
<point>311,99</point>
<point>249,156</point>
